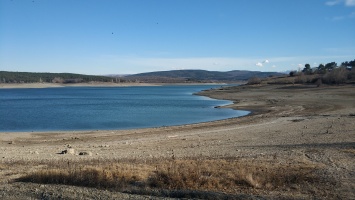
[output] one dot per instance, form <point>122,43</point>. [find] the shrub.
<point>351,74</point>
<point>293,73</point>
<point>336,76</point>
<point>254,81</point>
<point>57,80</point>
<point>301,78</point>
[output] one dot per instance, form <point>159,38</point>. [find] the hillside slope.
<point>202,75</point>
<point>31,77</point>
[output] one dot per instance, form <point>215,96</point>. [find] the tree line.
<point>29,77</point>
<point>330,73</point>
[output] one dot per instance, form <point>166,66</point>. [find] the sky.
<point>132,36</point>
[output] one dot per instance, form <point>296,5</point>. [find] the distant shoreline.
<point>93,84</point>
<point>54,85</point>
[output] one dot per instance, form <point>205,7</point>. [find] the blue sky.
<point>133,36</point>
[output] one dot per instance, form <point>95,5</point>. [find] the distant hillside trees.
<point>199,76</point>
<point>349,65</point>
<point>329,73</point>
<point>330,66</point>
<point>321,69</point>
<point>28,77</point>
<point>307,69</point>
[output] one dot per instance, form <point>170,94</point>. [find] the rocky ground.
<point>289,124</point>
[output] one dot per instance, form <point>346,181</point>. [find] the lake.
<point>107,108</point>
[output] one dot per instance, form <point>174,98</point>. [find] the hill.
<point>30,77</point>
<point>199,76</point>
<point>174,76</point>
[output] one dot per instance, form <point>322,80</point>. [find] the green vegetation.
<point>28,77</point>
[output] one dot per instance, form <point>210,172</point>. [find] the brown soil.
<point>290,124</point>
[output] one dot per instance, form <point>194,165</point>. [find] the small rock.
<point>85,153</point>
<point>12,142</point>
<point>68,151</point>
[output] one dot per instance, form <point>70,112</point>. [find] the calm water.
<point>105,108</point>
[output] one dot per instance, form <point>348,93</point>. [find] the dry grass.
<point>216,175</point>
<point>352,151</point>
<point>254,81</point>
<point>226,175</point>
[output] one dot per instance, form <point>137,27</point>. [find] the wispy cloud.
<point>332,3</point>
<point>337,18</point>
<point>347,3</point>
<point>350,2</point>
<point>336,2</point>
<point>340,50</point>
<point>343,17</point>
<point>259,64</point>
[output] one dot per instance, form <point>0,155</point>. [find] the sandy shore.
<point>290,123</point>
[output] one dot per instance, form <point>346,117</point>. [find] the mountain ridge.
<point>203,75</point>
<point>173,76</point>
